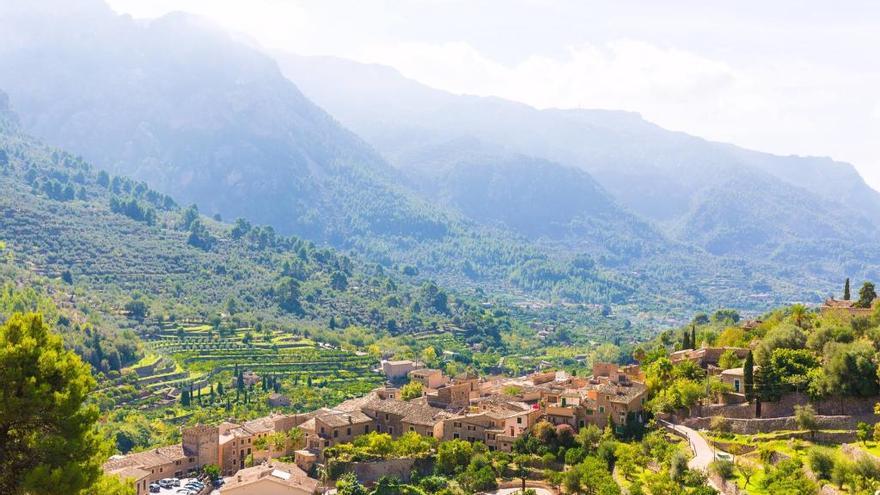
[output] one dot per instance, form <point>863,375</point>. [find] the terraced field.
<point>194,356</point>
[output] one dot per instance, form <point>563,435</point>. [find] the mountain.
<point>798,218</point>
<point>111,241</point>
<point>658,174</point>
<point>199,115</point>
<point>204,117</point>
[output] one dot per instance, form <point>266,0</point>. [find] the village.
<point>291,453</point>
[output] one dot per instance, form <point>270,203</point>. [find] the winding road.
<point>703,452</point>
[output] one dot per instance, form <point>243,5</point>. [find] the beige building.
<point>429,378</point>
<point>496,421</point>
<point>397,417</point>
<point>847,308</point>
<point>274,478</point>
<point>147,467</point>
<point>398,370</point>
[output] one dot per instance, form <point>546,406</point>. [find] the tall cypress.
<point>685,338</point>
<point>749,376</point>
<point>846,294</point>
<point>694,336</point>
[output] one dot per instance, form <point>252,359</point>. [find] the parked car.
<point>155,488</point>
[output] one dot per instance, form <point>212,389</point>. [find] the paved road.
<point>510,491</point>
<point>703,452</point>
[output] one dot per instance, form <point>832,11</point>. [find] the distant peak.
<point>8,118</point>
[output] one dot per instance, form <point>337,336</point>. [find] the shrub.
<point>724,469</point>
<point>821,463</point>
<point>719,424</point>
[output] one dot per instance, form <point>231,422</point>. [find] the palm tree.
<point>799,313</point>
<point>296,436</point>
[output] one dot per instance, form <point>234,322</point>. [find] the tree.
<point>694,336</point>
<point>590,477</point>
<point>805,417</point>
<point>213,471</point>
<point>348,484</point>
<point>522,468</point>
<point>185,398</point>
<point>846,295</point>
<point>411,390</point>
<point>729,359</point>
<point>136,308</point>
<point>453,456</point>
<point>588,437</point>
<point>867,294</point>
<point>746,470</point>
<point>429,355</point>
<point>863,432</point>
<point>48,441</point>
<point>821,463</point>
<point>287,294</point>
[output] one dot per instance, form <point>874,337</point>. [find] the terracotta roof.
<point>340,418</point>
<point>410,412</point>
<point>276,472</point>
<point>424,372</point>
<point>147,459</point>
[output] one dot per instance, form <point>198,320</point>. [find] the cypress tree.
<point>749,377</point>
<point>684,340</point>
<point>846,293</point>
<point>694,336</point>
<point>184,398</point>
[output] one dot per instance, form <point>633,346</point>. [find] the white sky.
<point>789,77</point>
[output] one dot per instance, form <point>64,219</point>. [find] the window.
<point>386,417</point>
<point>581,424</point>
<point>519,420</point>
<point>366,429</point>
<point>601,409</point>
<point>322,432</point>
<point>455,436</point>
<point>249,451</point>
<point>391,430</point>
<point>348,431</point>
<point>412,429</point>
<point>335,433</point>
<point>736,385</point>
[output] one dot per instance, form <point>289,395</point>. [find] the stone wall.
<point>764,425</point>
<point>370,472</point>
<point>784,407</point>
<point>829,407</point>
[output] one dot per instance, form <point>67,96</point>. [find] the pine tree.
<point>867,294</point>
<point>749,377</point>
<point>846,294</point>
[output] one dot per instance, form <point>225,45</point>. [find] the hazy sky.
<point>789,77</point>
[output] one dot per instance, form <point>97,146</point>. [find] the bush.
<point>719,424</point>
<point>821,463</point>
<point>724,469</point>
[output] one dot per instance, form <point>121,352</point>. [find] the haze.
<point>788,78</point>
